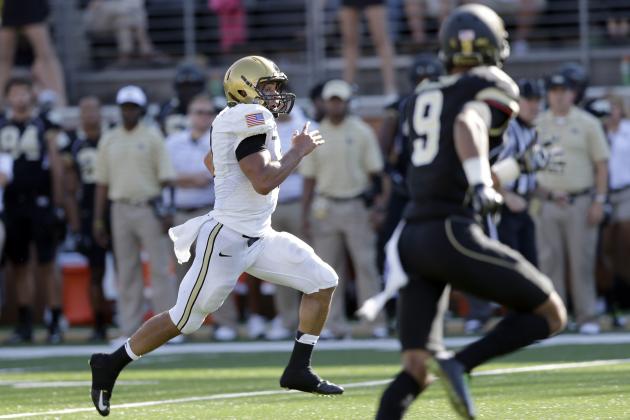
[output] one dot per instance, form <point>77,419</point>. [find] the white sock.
<point>308,339</point>
<point>130,353</point>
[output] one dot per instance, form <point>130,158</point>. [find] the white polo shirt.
<point>618,164</point>
<point>187,156</point>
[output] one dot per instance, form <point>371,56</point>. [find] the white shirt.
<point>291,188</point>
<point>620,156</point>
<point>237,205</point>
<point>6,168</point>
<point>187,156</point>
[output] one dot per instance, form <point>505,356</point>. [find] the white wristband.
<point>506,170</point>
<point>477,171</point>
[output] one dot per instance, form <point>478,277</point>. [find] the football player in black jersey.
<point>79,165</point>
<point>32,201</point>
<point>189,82</point>
<point>442,244</point>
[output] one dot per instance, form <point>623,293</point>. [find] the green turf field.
<point>206,381</point>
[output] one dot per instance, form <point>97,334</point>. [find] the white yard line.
<point>525,369</point>
<point>44,352</point>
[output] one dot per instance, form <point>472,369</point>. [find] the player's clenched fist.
<point>305,142</point>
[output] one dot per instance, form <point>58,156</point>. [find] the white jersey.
<point>237,205</point>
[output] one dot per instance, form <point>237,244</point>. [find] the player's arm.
<point>266,174</point>
<point>71,189</point>
<point>56,166</point>
<point>207,160</point>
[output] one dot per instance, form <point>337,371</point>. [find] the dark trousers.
<point>517,230</point>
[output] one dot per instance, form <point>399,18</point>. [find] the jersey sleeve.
<point>499,92</point>
<point>250,120</point>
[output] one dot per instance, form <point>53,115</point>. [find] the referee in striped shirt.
<point>517,229</point>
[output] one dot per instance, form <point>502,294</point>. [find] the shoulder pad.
<point>244,120</point>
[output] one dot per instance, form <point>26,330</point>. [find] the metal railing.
<point>304,36</point>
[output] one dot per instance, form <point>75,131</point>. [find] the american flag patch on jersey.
<point>254,119</point>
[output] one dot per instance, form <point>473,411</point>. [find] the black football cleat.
<point>103,380</point>
<point>305,380</point>
<point>453,378</point>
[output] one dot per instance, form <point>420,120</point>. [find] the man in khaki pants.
<point>132,166</point>
<point>340,173</point>
<point>574,199</point>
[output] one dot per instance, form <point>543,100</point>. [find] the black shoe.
<point>453,377</point>
<point>18,338</point>
<point>98,336</point>
<point>54,337</point>
<point>103,380</point>
<point>304,379</point>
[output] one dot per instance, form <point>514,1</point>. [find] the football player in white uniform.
<point>237,236</point>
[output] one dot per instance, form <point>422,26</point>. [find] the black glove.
<point>540,157</point>
<point>484,200</point>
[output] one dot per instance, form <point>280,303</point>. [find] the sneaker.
<point>277,330</point>
<point>103,380</point>
<point>589,328</point>
<point>256,327</point>
<point>305,380</point>
<point>223,333</point>
<point>453,378</point>
<point>54,337</point>
<point>473,326</point>
<point>380,332</point>
<point>178,339</point>
<point>18,338</point>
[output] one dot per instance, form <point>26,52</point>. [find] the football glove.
<point>484,200</point>
<point>539,157</point>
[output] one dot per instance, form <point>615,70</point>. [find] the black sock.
<point>514,331</point>
<point>398,397</point>
<point>120,358</point>
<point>25,321</point>
<point>55,315</point>
<point>301,355</point>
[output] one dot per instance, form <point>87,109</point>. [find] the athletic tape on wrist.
<point>477,171</point>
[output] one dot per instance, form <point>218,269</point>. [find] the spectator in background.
<point>6,174</point>
<point>525,12</point>
<point>288,218</point>
<point>617,233</point>
<point>32,201</point>
<point>132,167</point>
<point>574,206</point>
<point>376,14</point>
<point>194,190</point>
<point>345,175</point>
<point>417,12</point>
<point>79,178</point>
<point>189,82</point>
<point>28,17</point>
<point>317,102</point>
<point>127,21</point>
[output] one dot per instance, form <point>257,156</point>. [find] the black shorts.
<point>361,4</point>
<point>455,251</point>
<point>28,223</point>
<point>16,13</point>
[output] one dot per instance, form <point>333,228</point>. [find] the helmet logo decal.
<point>466,38</point>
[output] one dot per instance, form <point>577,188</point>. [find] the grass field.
<point>234,386</point>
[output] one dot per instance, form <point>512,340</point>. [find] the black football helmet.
<point>189,81</point>
<point>473,35</point>
<point>425,66</point>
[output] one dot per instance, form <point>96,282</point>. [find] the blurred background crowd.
<point>83,233</point>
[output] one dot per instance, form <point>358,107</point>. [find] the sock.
<point>302,350</point>
<point>514,331</point>
<point>25,321</point>
<point>398,397</point>
<point>55,314</point>
<point>122,357</point>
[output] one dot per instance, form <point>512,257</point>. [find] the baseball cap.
<point>529,89</point>
<point>131,95</point>
<point>337,88</point>
<point>558,80</point>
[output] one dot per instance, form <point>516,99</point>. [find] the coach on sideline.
<point>132,166</point>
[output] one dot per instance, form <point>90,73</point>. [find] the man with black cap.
<point>132,167</point>
<point>574,199</point>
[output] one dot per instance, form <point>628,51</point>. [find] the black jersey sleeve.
<point>500,93</point>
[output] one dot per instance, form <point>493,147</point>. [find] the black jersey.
<point>172,117</point>
<point>26,142</point>
<point>435,177</point>
<point>83,152</point>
